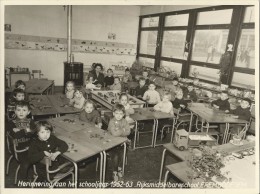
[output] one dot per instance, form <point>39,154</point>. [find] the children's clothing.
<point>93,117</point>
<point>70,94</point>
<point>223,104</point>
<point>116,87</point>
<point>109,81</point>
<point>153,97</point>
<point>78,102</point>
<point>139,91</point>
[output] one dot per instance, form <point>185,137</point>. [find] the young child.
<point>89,83</point>
<point>78,100</point>
<point>141,89</point>
<point>179,102</point>
<point>123,99</point>
<point>70,89</point>
<point>118,127</point>
<point>191,93</point>
<point>241,112</point>
<point>222,103</point>
<point>174,87</point>
<point>145,76</point>
<point>109,79</point>
<point>151,95</point>
<point>90,114</point>
<point>46,145</point>
<point>164,106</point>
<point>22,130</point>
<point>21,85</point>
<point>125,79</point>
<point>18,95</point>
<point>116,85</point>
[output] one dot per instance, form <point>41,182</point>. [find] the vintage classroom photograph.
<point>130,96</point>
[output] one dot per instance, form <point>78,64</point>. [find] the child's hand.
<point>183,106</point>
<point>48,154</point>
<point>226,111</point>
<point>234,116</point>
<point>16,130</point>
<point>28,130</point>
<point>54,155</point>
<point>139,96</point>
<point>215,106</point>
<point>99,125</point>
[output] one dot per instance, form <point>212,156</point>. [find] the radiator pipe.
<point>69,32</point>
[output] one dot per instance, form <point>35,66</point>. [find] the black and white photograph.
<point>130,95</point>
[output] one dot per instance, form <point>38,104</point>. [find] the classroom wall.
<point>152,9</point>
<point>89,23</point>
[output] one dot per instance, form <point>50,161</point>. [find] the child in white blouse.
<point>70,89</point>
<point>78,100</point>
<point>151,95</point>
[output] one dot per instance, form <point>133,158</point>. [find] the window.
<point>243,80</point>
<point>246,49</point>
<point>150,22</point>
<point>171,66</point>
<point>147,62</point>
<point>249,15</point>
<point>177,20</point>
<point>209,45</point>
<point>173,44</point>
<point>148,42</point>
<point>204,73</point>
<point>214,17</point>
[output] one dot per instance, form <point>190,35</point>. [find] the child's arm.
<point>130,110</point>
<point>215,103</point>
<point>113,129</point>
<point>157,107</point>
<point>82,115</point>
<point>158,98</point>
<point>125,128</point>
<point>145,96</point>
<point>35,154</point>
<point>62,147</point>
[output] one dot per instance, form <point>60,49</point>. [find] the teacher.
<point>98,76</point>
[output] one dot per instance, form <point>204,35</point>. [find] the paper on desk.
<point>200,137</point>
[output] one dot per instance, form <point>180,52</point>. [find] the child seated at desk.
<point>90,114</point>
<point>164,106</point>
<point>127,77</point>
<point>241,112</point>
<point>145,76</point>
<point>78,100</point>
<point>116,85</point>
<point>21,85</point>
<point>46,145</point>
<point>118,127</point>
<point>18,95</point>
<point>151,95</point>
<point>109,79</point>
<point>222,103</point>
<point>22,130</point>
<point>89,83</point>
<point>174,87</point>
<point>191,95</point>
<point>141,89</point>
<point>70,89</point>
<point>179,102</point>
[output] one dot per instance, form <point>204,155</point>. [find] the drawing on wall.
<point>27,42</point>
<point>111,36</point>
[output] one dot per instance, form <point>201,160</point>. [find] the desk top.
<point>41,105</point>
<point>35,86</point>
<point>84,139</point>
<point>212,115</point>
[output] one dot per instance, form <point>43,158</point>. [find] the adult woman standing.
<point>98,76</point>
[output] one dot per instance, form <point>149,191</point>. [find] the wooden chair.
<point>54,176</point>
<point>10,152</point>
<point>37,74</point>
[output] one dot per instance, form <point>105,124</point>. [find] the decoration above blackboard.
<point>27,42</point>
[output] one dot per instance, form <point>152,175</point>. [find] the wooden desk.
<point>143,114</point>
<point>105,98</point>
<point>212,115</point>
<point>85,140</point>
<point>37,86</point>
<point>181,169</point>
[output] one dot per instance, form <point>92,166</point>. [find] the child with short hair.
<point>21,85</point>
<point>109,79</point>
<point>124,100</point>
<point>222,103</point>
<point>127,77</point>
<point>151,95</point>
<point>145,76</point>
<point>70,89</point>
<point>191,93</point>
<point>179,102</point>
<point>90,114</point>
<point>116,85</point>
<point>46,145</point>
<point>18,95</point>
<point>141,88</point>
<point>118,127</point>
<point>22,130</point>
<point>78,100</point>
<point>164,106</point>
<point>89,83</point>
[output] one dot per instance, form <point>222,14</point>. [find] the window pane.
<point>148,42</point>
<point>204,73</point>
<point>150,22</point>
<point>215,17</point>
<point>171,66</point>
<point>246,49</point>
<point>249,15</point>
<point>209,45</point>
<point>243,80</point>
<point>173,44</point>
<point>177,20</point>
<point>147,62</point>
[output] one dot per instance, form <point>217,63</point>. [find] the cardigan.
<point>118,128</point>
<point>93,117</point>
